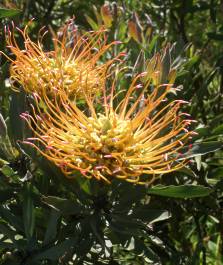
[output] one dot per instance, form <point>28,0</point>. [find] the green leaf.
<point>211,76</point>
<point>122,229</point>
<point>217,172</point>
<point>215,36</point>
<point>182,191</point>
<point>218,130</point>
<point>96,225</point>
<point>55,252</point>
<point>6,194</point>
<point>216,121</point>
<point>7,171</point>
<point>17,106</point>
<point>122,190</point>
<point>142,250</point>
<point>84,184</point>
<point>65,206</point>
<point>51,231</point>
<point>200,149</point>
<point>202,132</point>
<point>219,184</point>
<point>13,220</point>
<point>92,23</point>
<point>125,224</point>
<point>5,12</point>
<point>3,162</point>
<point>151,215</point>
<point>166,62</point>
<point>7,231</point>
<point>192,61</point>
<point>7,245</point>
<point>28,211</point>
<point>3,127</point>
<point>153,43</point>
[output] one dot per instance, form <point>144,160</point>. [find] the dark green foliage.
<point>48,219</point>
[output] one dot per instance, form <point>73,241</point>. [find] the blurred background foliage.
<point>47,219</point>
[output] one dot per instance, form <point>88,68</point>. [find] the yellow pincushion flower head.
<point>73,65</point>
<point>135,138</point>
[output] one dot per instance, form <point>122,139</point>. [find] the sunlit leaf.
<point>64,206</point>
<point>4,12</point>
<point>202,148</point>
<point>182,191</point>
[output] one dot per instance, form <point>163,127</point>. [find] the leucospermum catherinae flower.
<point>72,65</point>
<point>135,137</point>
<point>132,134</point>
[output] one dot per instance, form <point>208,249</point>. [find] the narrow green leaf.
<point>17,106</point>
<point>6,194</point>
<point>92,23</point>
<point>142,250</point>
<point>127,225</point>
<point>153,43</point>
<point>3,127</point>
<point>151,215</point>
<point>7,245</point>
<point>202,132</point>
<point>7,171</point>
<point>13,220</point>
<point>121,230</point>
<point>219,184</point>
<point>211,76</point>
<point>8,232</point>
<point>218,130</point>
<point>192,61</point>
<point>215,36</point>
<point>28,212</point>
<point>55,252</point>
<point>216,121</point>
<point>200,149</point>
<point>84,184</point>
<point>166,62</point>
<point>51,231</point>
<point>182,191</point>
<point>5,12</point>
<point>96,225</point>
<point>3,162</point>
<point>65,206</point>
<point>217,173</point>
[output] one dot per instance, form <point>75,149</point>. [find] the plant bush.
<point>46,218</point>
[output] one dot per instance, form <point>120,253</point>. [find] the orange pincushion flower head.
<point>134,138</point>
<point>72,66</point>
